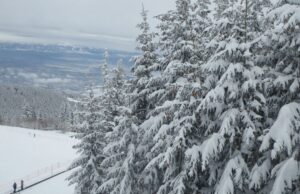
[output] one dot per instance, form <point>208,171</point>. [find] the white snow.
<point>57,185</point>
<point>285,173</point>
<point>32,155</point>
<point>259,174</point>
<point>211,148</point>
<point>232,175</point>
<point>284,130</point>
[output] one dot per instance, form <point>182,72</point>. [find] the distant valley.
<point>56,67</point>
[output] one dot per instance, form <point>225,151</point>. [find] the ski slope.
<point>32,155</point>
<point>57,185</point>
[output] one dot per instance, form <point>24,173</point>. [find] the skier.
<point>22,184</point>
<point>15,187</point>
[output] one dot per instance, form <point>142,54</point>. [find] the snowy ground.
<point>56,185</point>
<point>32,155</point>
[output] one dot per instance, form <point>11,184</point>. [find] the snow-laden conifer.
<point>169,130</point>
<point>96,115</point>
<point>277,170</point>
<point>232,113</point>
<point>120,176</point>
<point>88,175</point>
<point>142,69</point>
<point>202,22</point>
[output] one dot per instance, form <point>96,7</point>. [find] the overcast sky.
<point>100,23</point>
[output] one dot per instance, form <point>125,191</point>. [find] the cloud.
<point>43,79</point>
<point>31,76</point>
<point>91,22</point>
<point>52,80</point>
<point>45,36</point>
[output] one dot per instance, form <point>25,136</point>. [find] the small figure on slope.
<point>22,184</point>
<point>15,187</point>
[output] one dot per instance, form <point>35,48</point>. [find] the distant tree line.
<point>34,108</point>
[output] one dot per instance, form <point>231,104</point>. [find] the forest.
<point>34,108</point>
<point>212,106</point>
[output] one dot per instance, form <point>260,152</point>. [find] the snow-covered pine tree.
<point>141,86</point>
<point>29,116</point>
<point>89,176</point>
<point>231,114</point>
<point>95,118</point>
<point>202,23</point>
<point>169,130</point>
<point>142,69</point>
<point>278,168</point>
<point>114,89</point>
<point>105,69</point>
<point>64,116</point>
<point>108,99</point>
<point>79,115</point>
<point>28,112</point>
<point>120,150</point>
<point>280,44</point>
<point>177,34</point>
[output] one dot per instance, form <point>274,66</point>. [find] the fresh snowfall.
<point>212,106</point>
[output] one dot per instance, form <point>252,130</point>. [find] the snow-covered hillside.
<point>32,155</point>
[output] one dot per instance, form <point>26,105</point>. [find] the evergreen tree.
<point>64,116</point>
<point>100,121</point>
<point>169,130</point>
<point>108,100</point>
<point>120,150</point>
<point>278,167</point>
<point>28,112</point>
<point>231,114</point>
<point>177,34</point>
<point>89,176</point>
<point>105,69</point>
<point>202,23</point>
<point>141,86</point>
<point>142,69</point>
<point>29,116</point>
